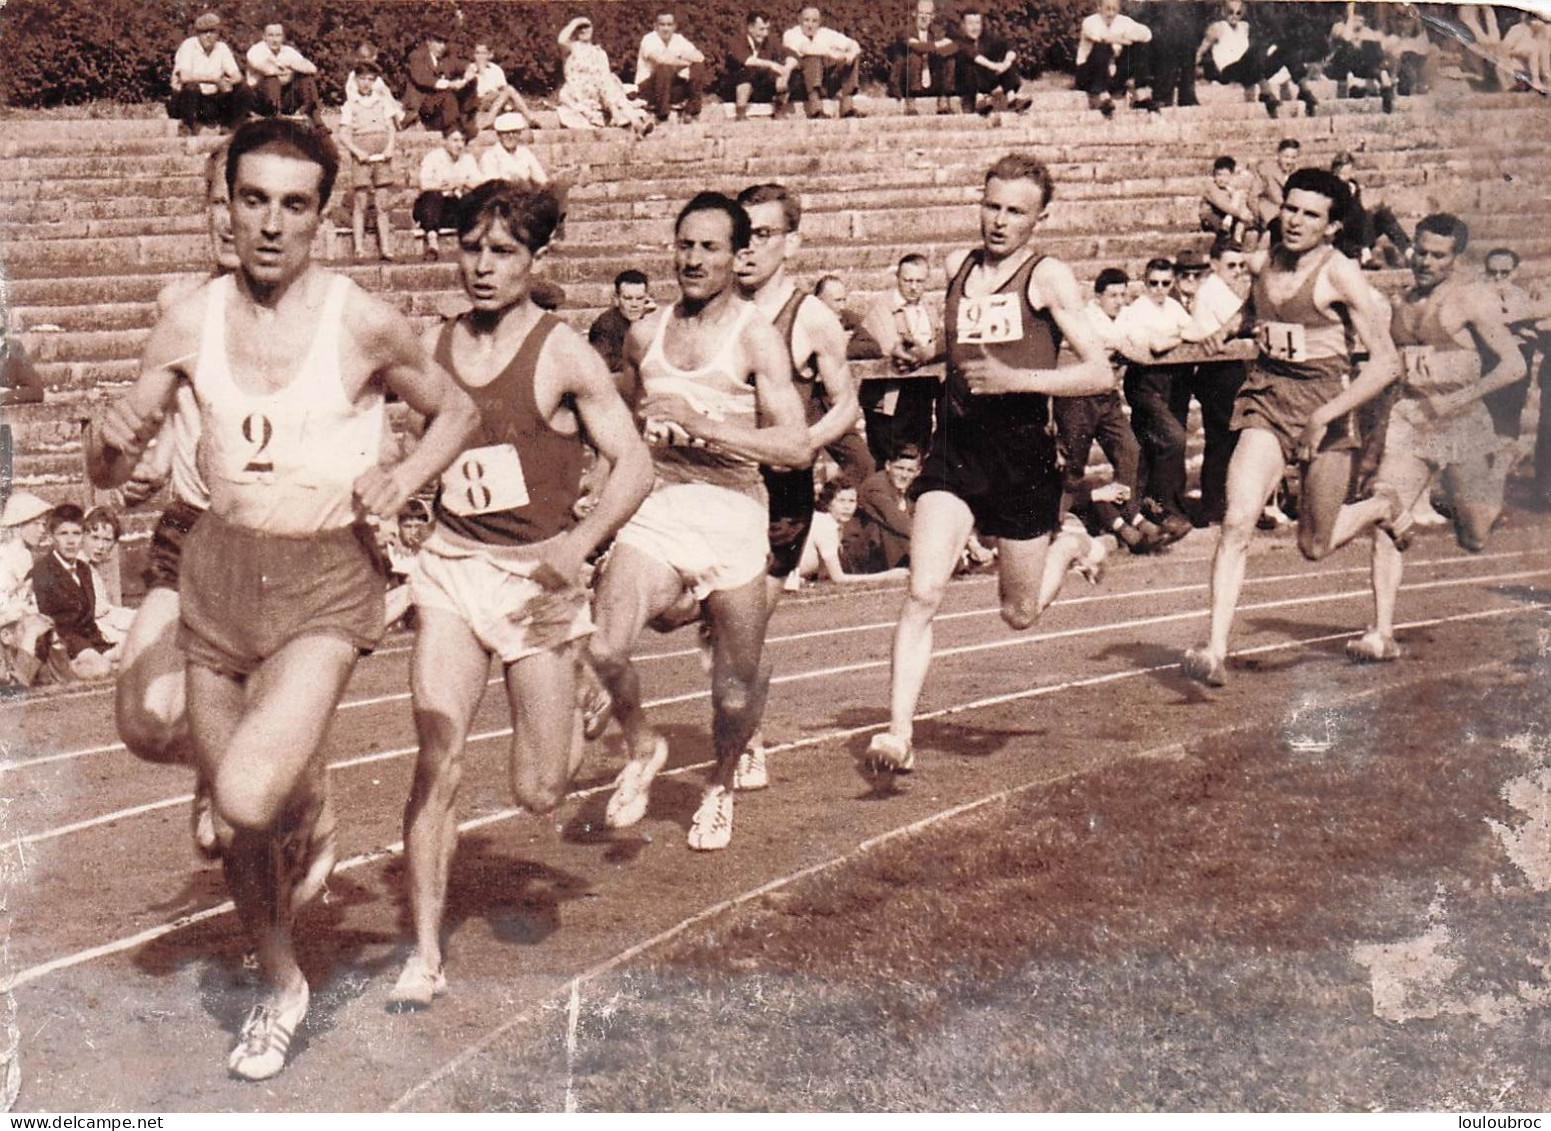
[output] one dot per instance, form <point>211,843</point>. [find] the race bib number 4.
<point>992,320</point>
<point>1282,341</point>
<point>484,480</point>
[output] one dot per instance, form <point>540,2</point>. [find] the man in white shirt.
<point>283,80</point>
<point>669,68</point>
<point>910,335</point>
<point>207,86</point>
<point>509,159</point>
<point>1105,59</point>
<point>1214,317</point>
<point>827,63</point>
<point>1149,328</point>
<point>493,95</point>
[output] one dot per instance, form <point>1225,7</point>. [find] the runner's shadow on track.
<point>1144,657</point>
<point>1525,594</point>
<point>686,747</point>
<point>1296,656</point>
<point>519,897</point>
<point>954,739</point>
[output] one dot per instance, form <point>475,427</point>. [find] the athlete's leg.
<point>938,535</point>
<point>1475,488</point>
<point>1404,478</point>
<point>149,699</point>
<point>634,589</point>
<point>739,682</point>
<point>547,741</point>
<point>448,671</point>
<point>1252,475</point>
<point>1326,522</point>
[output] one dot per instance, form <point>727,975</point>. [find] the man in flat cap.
<point>207,85</point>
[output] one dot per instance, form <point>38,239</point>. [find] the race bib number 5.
<point>992,320</point>
<point>484,480</point>
<point>1282,341</point>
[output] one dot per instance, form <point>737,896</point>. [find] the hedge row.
<point>61,52</point>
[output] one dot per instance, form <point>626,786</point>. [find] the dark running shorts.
<point>1281,405</point>
<point>1006,475</point>
<point>791,516</point>
<point>161,567</point>
<point>245,594</point>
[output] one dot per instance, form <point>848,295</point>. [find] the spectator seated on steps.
<point>922,60</point>
<point>440,91</point>
<point>281,78</point>
<point>756,70</point>
<point>1112,55</point>
<point>668,69</point>
<point>835,533</point>
<point>592,96</point>
<point>207,85</point>
<point>447,172</point>
<point>825,63</point>
<point>493,95</point>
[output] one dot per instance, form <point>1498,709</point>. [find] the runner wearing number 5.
<point>992,466</point>
<point>500,573</point>
<point>279,588</point>
<point>1313,311</point>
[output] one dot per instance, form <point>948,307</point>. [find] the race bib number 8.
<point>1282,341</point>
<point>992,320</point>
<point>484,480</point>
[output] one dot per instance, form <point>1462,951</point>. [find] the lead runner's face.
<point>496,268</point>
<point>275,213</point>
<point>1009,213</point>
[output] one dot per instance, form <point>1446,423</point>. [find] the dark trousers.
<point>969,81</point>
<point>439,109</point>
<point>1107,69</point>
<point>1245,71</point>
<point>1507,404</point>
<point>1173,72</point>
<point>816,77</point>
<point>435,211</point>
<point>1358,61</point>
<point>299,96</point>
<point>1160,434</point>
<point>664,87</point>
<point>1214,384</point>
<point>914,71</point>
<point>193,107</point>
<point>911,421</point>
<point>1082,420</point>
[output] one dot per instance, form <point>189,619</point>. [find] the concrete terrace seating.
<point>96,216</point>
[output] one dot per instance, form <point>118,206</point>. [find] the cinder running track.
<point>124,959</point>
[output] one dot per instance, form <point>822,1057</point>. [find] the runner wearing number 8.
<point>500,573</point>
<point>993,463</point>
<point>1313,311</point>
<point>1448,329</point>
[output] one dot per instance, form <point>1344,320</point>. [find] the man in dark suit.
<point>62,583</point>
<point>440,91</point>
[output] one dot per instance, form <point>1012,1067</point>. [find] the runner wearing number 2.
<point>1313,311</point>
<point>500,573</point>
<point>993,465</point>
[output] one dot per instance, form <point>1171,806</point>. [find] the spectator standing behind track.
<point>1109,55</point>
<point>439,91</point>
<point>62,582</point>
<point>493,95</point>
<point>909,334</point>
<point>984,66</point>
<point>922,60</point>
<point>447,173</point>
<point>1520,312</point>
<point>207,86</point>
<point>632,302</point>
<point>284,81</point>
<point>668,69</point>
<point>1149,327</point>
<point>367,132</point>
<point>827,63</point>
<point>367,53</point>
<point>1215,316</point>
<point>756,70</point>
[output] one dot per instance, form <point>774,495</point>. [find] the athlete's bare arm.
<point>394,356</point>
<point>828,338</point>
<point>1053,284</point>
<point>119,437</point>
<point>1477,309</point>
<point>1343,281</point>
<point>781,440</point>
<point>579,371</point>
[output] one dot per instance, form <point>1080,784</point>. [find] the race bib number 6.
<point>1282,341</point>
<point>992,320</point>
<point>484,480</point>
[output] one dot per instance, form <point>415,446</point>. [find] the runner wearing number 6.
<point>1313,311</point>
<point>499,574</point>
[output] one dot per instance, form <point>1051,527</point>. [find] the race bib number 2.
<point>485,480</point>
<point>1282,341</point>
<point>992,320</point>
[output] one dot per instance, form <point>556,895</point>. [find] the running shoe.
<point>1372,647</point>
<point>1203,667</point>
<point>418,985</point>
<point>711,828</point>
<point>891,753</point>
<point>1092,563</point>
<point>751,773</point>
<point>1423,513</point>
<point>266,1038</point>
<point>597,704</point>
<point>202,820</point>
<point>633,787</point>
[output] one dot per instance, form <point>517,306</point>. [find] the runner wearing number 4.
<point>500,574</point>
<point>279,588</point>
<point>992,466</point>
<point>1313,310</point>
<point>1448,329</point>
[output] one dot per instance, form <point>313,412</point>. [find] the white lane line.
<point>33,973</point>
<point>598,970</point>
<point>876,626</point>
<point>1019,641</point>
